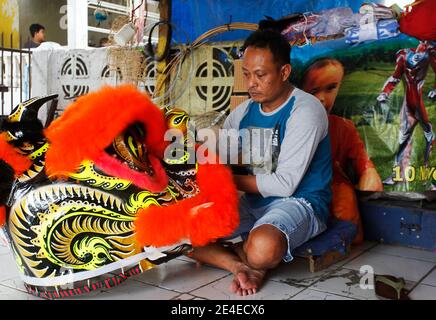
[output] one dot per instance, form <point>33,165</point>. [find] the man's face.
<point>324,84</point>
<point>264,78</point>
<point>40,36</point>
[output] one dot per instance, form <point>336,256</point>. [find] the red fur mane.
<point>91,123</point>
<point>210,215</point>
<point>8,154</point>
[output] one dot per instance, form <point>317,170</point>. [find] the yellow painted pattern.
<point>87,173</point>
<point>39,152</point>
<point>9,22</point>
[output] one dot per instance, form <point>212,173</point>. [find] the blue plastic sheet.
<point>194,17</point>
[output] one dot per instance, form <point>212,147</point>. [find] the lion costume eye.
<point>129,148</point>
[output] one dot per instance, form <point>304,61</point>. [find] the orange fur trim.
<point>210,215</point>
<point>10,155</point>
<point>2,216</point>
<point>91,123</point>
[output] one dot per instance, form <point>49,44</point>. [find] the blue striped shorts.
<point>292,216</point>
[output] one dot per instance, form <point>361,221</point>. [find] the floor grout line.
<point>337,268</point>
<point>6,285</point>
<point>420,280</point>
<point>181,292</point>
<point>300,288</point>
<point>157,286</point>
<point>16,289</point>
<point>335,294</point>
<point>216,280</point>
<point>413,258</point>
<point>297,293</point>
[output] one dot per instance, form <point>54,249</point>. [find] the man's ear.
<point>286,72</point>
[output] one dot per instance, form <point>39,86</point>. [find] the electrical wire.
<point>133,11</point>
<point>174,66</point>
<point>166,49</point>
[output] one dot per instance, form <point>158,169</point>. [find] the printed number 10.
<point>409,174</point>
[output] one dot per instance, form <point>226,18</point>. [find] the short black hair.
<point>274,41</point>
<point>34,28</point>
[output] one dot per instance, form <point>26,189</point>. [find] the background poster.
<point>368,67</point>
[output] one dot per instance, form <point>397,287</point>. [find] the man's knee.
<point>265,247</point>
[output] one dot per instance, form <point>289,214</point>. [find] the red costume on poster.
<point>411,66</point>
<point>346,147</point>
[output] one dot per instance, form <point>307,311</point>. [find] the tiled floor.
<point>182,279</point>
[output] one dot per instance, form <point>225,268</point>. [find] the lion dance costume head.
<point>92,195</point>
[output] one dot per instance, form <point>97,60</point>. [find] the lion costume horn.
<point>21,126</point>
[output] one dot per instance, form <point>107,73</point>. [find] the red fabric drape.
<point>419,20</point>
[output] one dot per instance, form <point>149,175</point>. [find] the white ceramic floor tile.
<point>7,293</point>
<point>271,290</point>
<point>181,276</point>
<point>9,268</point>
<point>184,296</point>
<point>296,273</point>
<point>410,269</point>
<point>346,282</point>
<point>14,283</point>
<point>4,249</point>
<point>310,294</point>
<point>405,252</point>
<point>365,245</point>
<point>430,279</point>
<point>423,292</point>
<point>355,252</point>
<point>185,258</point>
<point>4,245</point>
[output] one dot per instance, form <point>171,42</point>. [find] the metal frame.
<point>122,10</point>
<point>5,52</point>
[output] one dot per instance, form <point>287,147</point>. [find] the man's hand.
<point>370,181</point>
<point>246,183</point>
<point>383,97</point>
<point>432,95</point>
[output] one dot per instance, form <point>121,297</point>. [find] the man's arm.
<point>246,183</point>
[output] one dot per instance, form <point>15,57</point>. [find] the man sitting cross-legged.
<point>287,188</point>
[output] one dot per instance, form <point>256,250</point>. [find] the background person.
<point>37,33</point>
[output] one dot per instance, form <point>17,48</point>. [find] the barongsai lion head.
<point>91,200</point>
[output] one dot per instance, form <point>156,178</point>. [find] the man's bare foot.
<point>247,280</point>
